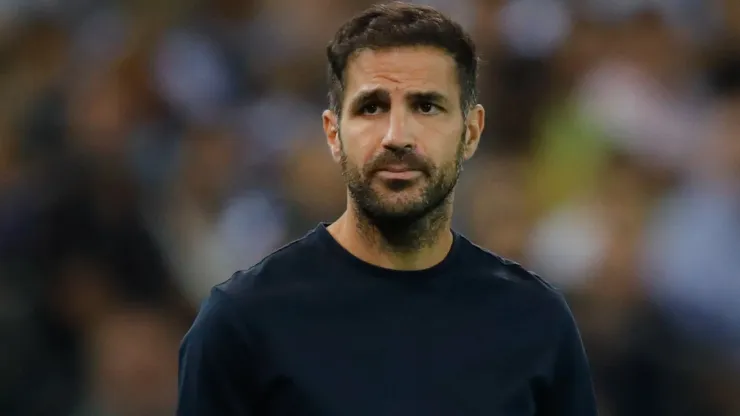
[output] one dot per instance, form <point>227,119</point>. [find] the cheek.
<point>443,148</point>
<point>360,142</point>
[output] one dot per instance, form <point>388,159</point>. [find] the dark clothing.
<point>313,330</point>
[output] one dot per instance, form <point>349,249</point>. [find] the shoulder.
<point>287,266</point>
<point>513,276</point>
<point>229,302</point>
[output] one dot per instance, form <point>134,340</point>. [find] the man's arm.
<point>570,392</point>
<point>215,375</point>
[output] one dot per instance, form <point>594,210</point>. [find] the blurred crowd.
<point>148,149</point>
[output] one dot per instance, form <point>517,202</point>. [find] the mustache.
<point>411,161</point>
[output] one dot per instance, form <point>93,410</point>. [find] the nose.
<point>398,137</point>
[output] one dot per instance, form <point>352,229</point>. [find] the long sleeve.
<point>215,371</point>
<point>570,391</point>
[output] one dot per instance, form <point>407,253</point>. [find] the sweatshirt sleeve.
<point>570,392</point>
<point>215,364</point>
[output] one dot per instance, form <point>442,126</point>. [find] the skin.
<point>401,140</point>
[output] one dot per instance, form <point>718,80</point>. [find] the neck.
<point>415,246</point>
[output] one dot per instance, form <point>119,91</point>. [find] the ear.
<point>331,129</point>
<point>474,124</point>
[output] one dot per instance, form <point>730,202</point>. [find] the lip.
<point>396,168</point>
<point>406,174</point>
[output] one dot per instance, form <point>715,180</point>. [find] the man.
<point>386,311</point>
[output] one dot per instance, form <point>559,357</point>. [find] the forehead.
<point>399,69</point>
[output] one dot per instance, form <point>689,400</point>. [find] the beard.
<point>405,215</point>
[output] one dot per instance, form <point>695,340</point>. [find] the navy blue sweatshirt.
<point>313,330</point>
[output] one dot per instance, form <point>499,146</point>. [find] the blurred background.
<point>148,149</point>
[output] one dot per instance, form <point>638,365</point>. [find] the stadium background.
<point>150,148</point>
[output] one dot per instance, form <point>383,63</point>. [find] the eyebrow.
<point>382,95</point>
<point>427,96</point>
<point>368,96</point>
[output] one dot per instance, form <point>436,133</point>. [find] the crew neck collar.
<point>340,254</point>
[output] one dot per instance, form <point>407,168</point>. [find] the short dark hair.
<point>398,24</point>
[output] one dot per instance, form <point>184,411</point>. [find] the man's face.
<point>402,136</point>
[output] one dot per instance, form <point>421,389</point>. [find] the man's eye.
<point>370,109</point>
<point>428,108</point>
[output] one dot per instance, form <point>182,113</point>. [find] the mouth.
<point>398,173</point>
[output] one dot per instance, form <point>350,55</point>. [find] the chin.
<point>395,218</point>
<point>397,207</point>
<point>397,200</point>
<point>381,202</point>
